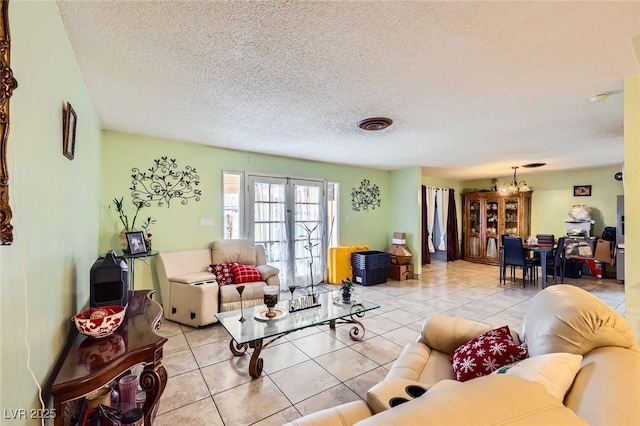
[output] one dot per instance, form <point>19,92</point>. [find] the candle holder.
<point>240,289</point>
<point>292,289</point>
<point>270,299</point>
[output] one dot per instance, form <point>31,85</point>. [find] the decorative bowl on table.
<point>99,322</point>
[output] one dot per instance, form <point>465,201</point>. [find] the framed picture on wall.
<point>69,132</point>
<point>582,191</point>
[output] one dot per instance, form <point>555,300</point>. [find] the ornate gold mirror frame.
<point>7,86</point>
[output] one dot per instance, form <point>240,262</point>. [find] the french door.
<point>288,216</point>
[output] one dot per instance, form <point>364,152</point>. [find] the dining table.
<point>543,249</point>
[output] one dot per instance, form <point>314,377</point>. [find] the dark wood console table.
<point>93,363</point>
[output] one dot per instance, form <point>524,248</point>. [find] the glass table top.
<point>120,253</point>
<point>331,308</point>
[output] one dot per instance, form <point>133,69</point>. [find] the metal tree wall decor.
<point>365,197</point>
<point>163,183</point>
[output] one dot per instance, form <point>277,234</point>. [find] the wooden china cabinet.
<point>487,216</point>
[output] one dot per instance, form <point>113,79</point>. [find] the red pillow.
<point>222,272</point>
<point>245,273</point>
<point>486,353</point>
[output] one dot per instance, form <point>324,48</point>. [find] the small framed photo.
<point>582,191</point>
<point>69,132</point>
<point>135,241</point>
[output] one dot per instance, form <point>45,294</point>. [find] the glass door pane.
<point>287,216</point>
<point>231,202</point>
<point>267,221</point>
<point>511,217</point>
<point>474,228</point>
<point>308,222</point>
<point>492,229</point>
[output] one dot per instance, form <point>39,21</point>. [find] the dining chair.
<point>544,239</point>
<point>557,261</point>
<point>514,255</point>
<point>501,259</point>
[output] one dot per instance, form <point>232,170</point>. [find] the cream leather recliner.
<point>561,318</point>
<point>190,293</point>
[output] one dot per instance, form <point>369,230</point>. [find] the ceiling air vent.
<point>375,123</point>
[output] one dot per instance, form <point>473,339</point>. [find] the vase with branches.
<point>309,246</point>
<point>119,206</point>
<point>128,225</point>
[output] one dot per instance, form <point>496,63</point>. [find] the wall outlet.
<point>206,221</point>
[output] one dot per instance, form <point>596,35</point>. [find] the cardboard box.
<point>399,238</point>
<point>603,251</point>
<point>401,272</point>
<point>399,254</point>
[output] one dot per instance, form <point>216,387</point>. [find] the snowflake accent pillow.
<point>486,353</point>
<point>222,271</point>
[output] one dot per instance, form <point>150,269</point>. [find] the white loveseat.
<point>190,293</point>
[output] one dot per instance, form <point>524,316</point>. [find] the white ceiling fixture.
<point>472,87</point>
<point>514,186</point>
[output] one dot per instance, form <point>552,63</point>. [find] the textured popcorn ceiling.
<point>473,88</point>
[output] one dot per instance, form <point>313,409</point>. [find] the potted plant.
<point>146,225</point>
<point>347,288</point>
<point>118,204</point>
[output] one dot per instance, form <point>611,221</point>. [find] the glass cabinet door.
<point>487,217</point>
<point>511,206</point>
<point>491,228</point>
<point>474,228</point>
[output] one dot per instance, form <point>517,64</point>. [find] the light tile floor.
<point>317,367</point>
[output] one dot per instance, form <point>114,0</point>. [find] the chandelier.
<point>514,186</point>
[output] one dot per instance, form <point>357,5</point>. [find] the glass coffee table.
<point>252,332</point>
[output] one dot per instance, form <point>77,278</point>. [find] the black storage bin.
<point>573,268</point>
<point>370,259</point>
<point>370,267</point>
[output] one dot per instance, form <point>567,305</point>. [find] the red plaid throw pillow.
<point>222,272</point>
<point>245,273</point>
<point>486,353</point>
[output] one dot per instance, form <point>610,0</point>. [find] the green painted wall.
<point>405,211</point>
<point>44,275</point>
<point>632,201</point>
<point>179,227</point>
<point>553,197</point>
